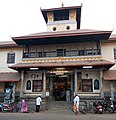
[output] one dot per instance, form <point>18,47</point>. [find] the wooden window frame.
<point>37,86</point>
<point>115,53</point>
<point>87,85</point>
<point>10,58</point>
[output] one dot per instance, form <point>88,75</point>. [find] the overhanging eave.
<point>61,38</point>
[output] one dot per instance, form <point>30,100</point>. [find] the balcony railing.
<point>65,53</point>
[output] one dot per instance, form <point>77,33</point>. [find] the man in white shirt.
<point>76,102</point>
<point>38,103</point>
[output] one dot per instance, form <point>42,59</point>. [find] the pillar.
<point>13,92</point>
<point>44,83</point>
<point>101,84</point>
<point>75,79</point>
<point>72,94</point>
<point>51,88</point>
<point>111,90</point>
<point>22,82</point>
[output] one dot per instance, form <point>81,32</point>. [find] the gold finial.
<point>62,4</point>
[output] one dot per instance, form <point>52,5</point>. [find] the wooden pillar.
<point>44,84</point>
<point>22,82</point>
<point>72,92</point>
<point>51,88</point>
<point>75,79</point>
<point>101,84</point>
<point>111,90</point>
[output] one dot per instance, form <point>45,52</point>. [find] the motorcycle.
<point>6,107</point>
<point>98,108</point>
<point>114,105</point>
<point>108,107</point>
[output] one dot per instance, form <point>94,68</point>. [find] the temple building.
<point>65,57</point>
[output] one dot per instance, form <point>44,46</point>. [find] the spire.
<point>62,4</point>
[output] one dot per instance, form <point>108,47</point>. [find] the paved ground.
<point>60,115</point>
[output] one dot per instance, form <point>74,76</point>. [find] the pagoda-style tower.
<point>63,18</point>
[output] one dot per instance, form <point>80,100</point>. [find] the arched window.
<point>28,85</point>
<point>96,84</point>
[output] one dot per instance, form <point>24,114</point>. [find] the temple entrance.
<point>60,86</point>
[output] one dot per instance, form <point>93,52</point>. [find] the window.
<point>37,85</point>
<point>68,27</point>
<point>87,85</point>
<point>114,53</point>
<point>96,84</point>
<point>61,15</point>
<point>11,58</point>
<point>39,54</point>
<point>61,52</point>
<point>28,85</point>
<point>54,28</point>
<point>81,52</point>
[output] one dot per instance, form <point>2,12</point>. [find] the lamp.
<point>33,68</point>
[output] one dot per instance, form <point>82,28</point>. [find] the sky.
<point>23,17</point>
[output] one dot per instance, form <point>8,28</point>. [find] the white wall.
<point>107,50</point>
<point>3,58</point>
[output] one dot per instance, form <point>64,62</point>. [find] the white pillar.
<point>13,90</point>
<point>44,84</point>
<point>101,84</point>
<point>75,79</point>
<point>22,82</point>
<point>111,90</point>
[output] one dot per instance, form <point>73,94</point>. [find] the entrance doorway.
<point>8,92</point>
<point>60,86</point>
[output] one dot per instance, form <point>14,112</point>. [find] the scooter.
<point>98,108</point>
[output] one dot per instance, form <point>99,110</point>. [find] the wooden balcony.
<point>62,53</point>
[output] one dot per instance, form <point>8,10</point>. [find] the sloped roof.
<point>112,37</point>
<point>62,37</point>
<point>36,64</point>
<point>61,33</point>
<point>110,75</point>
<point>8,44</point>
<point>9,77</point>
<point>63,10</point>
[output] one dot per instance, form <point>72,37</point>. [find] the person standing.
<point>24,106</point>
<point>38,103</point>
<point>68,95</point>
<point>76,103</point>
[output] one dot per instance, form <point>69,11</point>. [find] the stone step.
<point>59,105</point>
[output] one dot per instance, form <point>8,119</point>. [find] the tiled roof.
<point>110,75</point>
<point>8,44</point>
<point>53,64</point>
<point>62,33</point>
<point>112,37</point>
<point>9,77</point>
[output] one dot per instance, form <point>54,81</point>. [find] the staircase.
<point>59,106</point>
